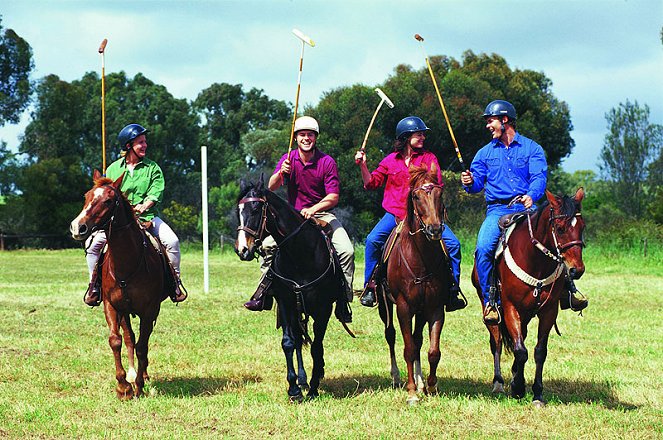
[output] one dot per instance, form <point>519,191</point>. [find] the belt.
<point>498,202</point>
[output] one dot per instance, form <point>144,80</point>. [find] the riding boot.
<point>343,311</point>
<point>180,293</point>
<point>491,313</point>
<point>261,299</point>
<point>572,300</point>
<point>368,297</point>
<point>455,300</point>
<point>93,293</point>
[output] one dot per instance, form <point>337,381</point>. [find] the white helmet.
<point>306,123</point>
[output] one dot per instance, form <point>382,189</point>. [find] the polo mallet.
<point>383,98</point>
<point>420,39</point>
<point>305,40</point>
<point>102,49</point>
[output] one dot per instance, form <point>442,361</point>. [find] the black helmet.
<point>408,125</point>
<point>500,108</point>
<point>129,133</point>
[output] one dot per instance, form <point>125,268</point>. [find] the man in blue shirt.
<point>509,165</point>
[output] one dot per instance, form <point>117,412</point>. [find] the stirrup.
<point>368,296</point>
<point>490,318</point>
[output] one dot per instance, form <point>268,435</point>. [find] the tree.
<point>630,146</point>
<point>15,67</point>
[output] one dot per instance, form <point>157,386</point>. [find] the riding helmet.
<point>306,123</point>
<point>129,133</point>
<point>411,124</point>
<point>500,108</point>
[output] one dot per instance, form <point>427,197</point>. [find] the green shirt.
<point>145,182</point>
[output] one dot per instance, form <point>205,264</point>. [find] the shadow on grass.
<point>555,391</point>
<point>200,386</point>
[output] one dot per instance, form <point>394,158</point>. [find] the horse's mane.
<point>420,175</point>
<point>102,181</point>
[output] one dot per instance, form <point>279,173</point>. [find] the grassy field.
<point>218,371</point>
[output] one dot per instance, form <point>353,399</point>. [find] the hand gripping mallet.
<point>305,40</point>
<point>439,98</point>
<point>102,49</point>
<point>383,98</point>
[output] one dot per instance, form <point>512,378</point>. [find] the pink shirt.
<point>394,174</point>
<point>312,181</point>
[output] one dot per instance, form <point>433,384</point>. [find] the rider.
<point>509,165</point>
<point>143,185</point>
<point>393,173</point>
<point>313,190</point>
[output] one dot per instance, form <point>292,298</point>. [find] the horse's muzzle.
<point>433,232</point>
<point>245,254</point>
<point>576,273</point>
<point>79,231</point>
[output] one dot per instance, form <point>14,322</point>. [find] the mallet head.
<point>418,37</point>
<point>303,37</point>
<point>384,97</point>
<point>102,47</point>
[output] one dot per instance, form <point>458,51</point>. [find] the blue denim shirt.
<point>507,172</point>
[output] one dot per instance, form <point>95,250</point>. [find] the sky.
<point>597,53</point>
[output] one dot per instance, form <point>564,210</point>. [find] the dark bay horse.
<point>306,277</point>
<point>540,253</point>
<point>417,281</point>
<point>134,278</point>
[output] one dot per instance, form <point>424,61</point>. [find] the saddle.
<point>170,277</point>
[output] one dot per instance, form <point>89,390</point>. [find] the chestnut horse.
<point>307,278</point>
<point>541,251</point>
<point>417,281</point>
<point>134,278</point>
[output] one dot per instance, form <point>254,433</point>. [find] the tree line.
<point>246,132</point>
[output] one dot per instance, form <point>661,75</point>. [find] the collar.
<point>497,143</point>
<point>316,155</point>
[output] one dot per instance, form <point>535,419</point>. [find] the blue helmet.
<point>500,108</point>
<point>408,125</point>
<point>129,133</point>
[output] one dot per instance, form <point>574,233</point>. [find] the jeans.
<point>378,236</point>
<point>487,240</point>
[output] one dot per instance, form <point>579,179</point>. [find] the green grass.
<point>218,371</point>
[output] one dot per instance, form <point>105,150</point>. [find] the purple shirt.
<point>312,181</point>
<point>395,173</point>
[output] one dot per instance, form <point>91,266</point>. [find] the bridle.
<point>262,227</point>
<point>427,188</point>
<point>560,249</point>
<point>109,223</point>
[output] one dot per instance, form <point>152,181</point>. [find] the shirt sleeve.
<point>479,172</point>
<point>538,172</point>
<point>332,182</point>
<point>379,175</point>
<point>156,186</point>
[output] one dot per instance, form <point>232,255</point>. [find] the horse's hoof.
<point>498,388</point>
<point>413,401</point>
<point>125,395</point>
<point>432,389</point>
<point>299,398</point>
<point>539,403</point>
<point>312,394</point>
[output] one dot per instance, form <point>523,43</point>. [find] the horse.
<point>307,278</point>
<point>417,281</point>
<point>529,282</point>
<point>134,278</point>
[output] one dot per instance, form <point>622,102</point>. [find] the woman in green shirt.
<point>143,185</point>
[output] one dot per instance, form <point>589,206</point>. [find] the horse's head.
<point>567,229</point>
<point>425,206</point>
<point>252,213</point>
<point>100,206</point>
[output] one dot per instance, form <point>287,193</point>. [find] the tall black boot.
<point>92,295</point>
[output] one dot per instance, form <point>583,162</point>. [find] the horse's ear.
<point>243,185</point>
<point>261,182</point>
<point>553,199</point>
<point>96,175</point>
<point>118,182</point>
<point>580,194</point>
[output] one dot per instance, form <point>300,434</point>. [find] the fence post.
<point>644,247</point>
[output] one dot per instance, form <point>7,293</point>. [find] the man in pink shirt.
<point>393,173</point>
<point>313,190</point>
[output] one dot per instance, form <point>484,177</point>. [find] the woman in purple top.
<point>393,173</point>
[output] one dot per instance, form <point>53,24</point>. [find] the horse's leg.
<point>405,321</point>
<point>146,327</point>
<point>546,321</point>
<point>302,380</point>
<point>418,338</point>
<point>434,330</point>
<point>387,315</point>
<point>518,332</point>
<point>496,350</point>
<point>130,343</point>
<point>318,351</point>
<point>123,390</point>
<point>289,344</point>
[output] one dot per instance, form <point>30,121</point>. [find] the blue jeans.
<point>487,241</point>
<point>378,236</point>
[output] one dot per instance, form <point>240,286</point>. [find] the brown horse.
<point>134,280</point>
<point>540,252</point>
<point>417,281</point>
